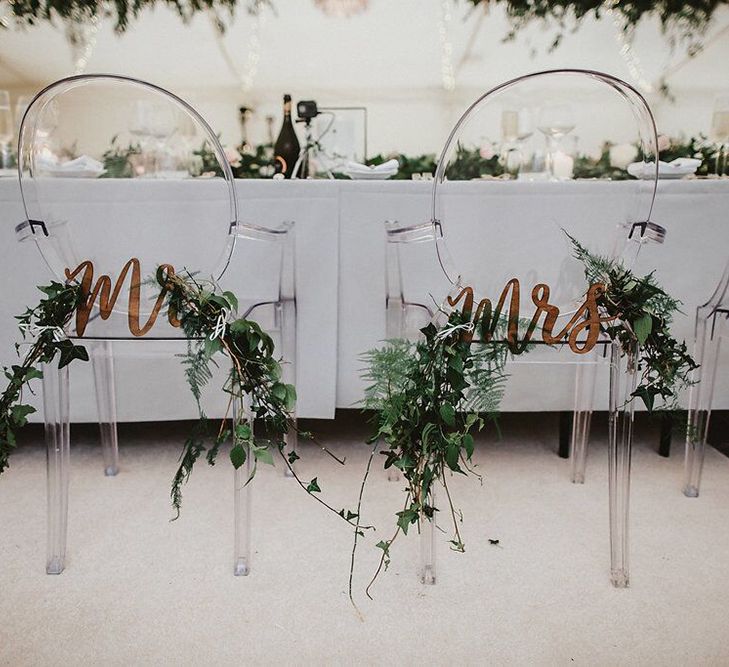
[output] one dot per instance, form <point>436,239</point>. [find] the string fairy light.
<point>247,77</point>
<point>342,8</point>
<point>448,77</point>
<point>625,48</point>
<point>81,35</point>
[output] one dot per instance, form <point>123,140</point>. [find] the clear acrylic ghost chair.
<point>502,235</point>
<point>156,207</point>
<point>712,324</point>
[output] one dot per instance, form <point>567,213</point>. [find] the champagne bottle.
<point>286,150</point>
<point>245,113</point>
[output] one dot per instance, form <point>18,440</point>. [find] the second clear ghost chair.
<point>499,229</point>
<point>164,194</point>
<point>712,324</point>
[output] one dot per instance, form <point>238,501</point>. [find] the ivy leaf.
<point>468,445</point>
<point>290,399</point>
<point>642,327</point>
<point>313,486</point>
<point>385,546</point>
<point>404,463</point>
<point>71,352</point>
<point>238,456</point>
<point>647,395</point>
<point>279,391</point>
<point>32,373</point>
<point>243,432</point>
<point>20,413</point>
<point>452,453</point>
<point>232,299</point>
<point>263,454</point>
<point>448,414</point>
<point>293,456</point>
<point>406,518</point>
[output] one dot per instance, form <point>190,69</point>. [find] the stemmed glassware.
<point>556,121</point>
<point>720,132</point>
<point>516,128</point>
<point>21,104</point>
<point>152,126</point>
<point>6,129</point>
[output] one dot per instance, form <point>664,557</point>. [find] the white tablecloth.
<point>340,255</point>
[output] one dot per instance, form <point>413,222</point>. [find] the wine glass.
<point>7,130</point>
<point>720,131</point>
<point>21,104</point>
<point>517,126</point>
<point>139,128</point>
<point>556,121</point>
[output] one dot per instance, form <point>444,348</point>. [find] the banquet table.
<point>340,274</point>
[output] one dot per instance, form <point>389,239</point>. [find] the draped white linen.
<point>340,256</point>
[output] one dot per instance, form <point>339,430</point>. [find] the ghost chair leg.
<point>623,381</point>
<point>706,353</point>
<point>242,505</point>
<point>585,377</point>
<point>57,433</point>
<point>428,528</point>
<point>102,361</point>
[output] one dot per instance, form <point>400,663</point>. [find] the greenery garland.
<point>467,164</point>
<point>687,20</point>
<point>44,327</point>
<point>203,313</point>
<point>255,374</point>
<point>642,311</point>
<point>32,12</point>
<point>430,397</point>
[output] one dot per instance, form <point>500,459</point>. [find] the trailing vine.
<point>429,398</point>
<point>641,310</point>
<point>42,329</point>
<point>206,317</point>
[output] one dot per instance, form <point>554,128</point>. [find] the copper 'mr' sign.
<point>108,297</point>
<point>486,318</point>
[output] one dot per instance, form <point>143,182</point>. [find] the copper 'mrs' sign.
<point>486,318</point>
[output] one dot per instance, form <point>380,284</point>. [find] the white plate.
<point>374,176</point>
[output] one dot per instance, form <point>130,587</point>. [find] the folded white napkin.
<point>82,163</point>
<point>389,167</point>
<point>680,166</point>
<point>686,163</point>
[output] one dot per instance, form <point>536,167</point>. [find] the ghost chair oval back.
<point>119,177</point>
<point>712,324</point>
<point>505,229</point>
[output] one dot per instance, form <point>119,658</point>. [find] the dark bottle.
<point>286,150</point>
<point>245,113</point>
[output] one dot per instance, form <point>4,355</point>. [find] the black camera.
<point>307,110</point>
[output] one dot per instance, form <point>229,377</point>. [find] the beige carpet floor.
<point>139,590</point>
